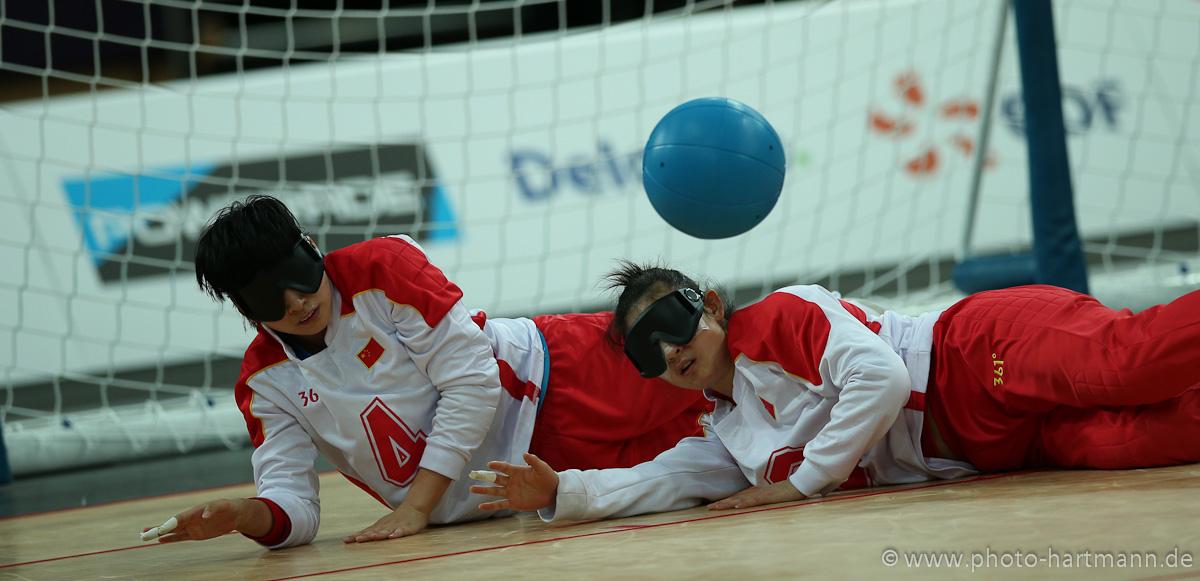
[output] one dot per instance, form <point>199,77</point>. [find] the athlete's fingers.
<point>358,537</point>
<point>730,501</point>
<point>371,534</point>
<point>726,504</point>
<point>490,490</point>
<point>505,468</point>
<point>488,476</point>
<point>494,505</point>
<point>537,463</point>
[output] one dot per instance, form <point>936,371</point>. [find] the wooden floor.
<point>841,536</point>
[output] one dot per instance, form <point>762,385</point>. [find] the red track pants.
<point>1039,376</point>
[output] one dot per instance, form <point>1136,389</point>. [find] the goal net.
<point>506,137</point>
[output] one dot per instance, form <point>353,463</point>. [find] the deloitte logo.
<point>142,225</point>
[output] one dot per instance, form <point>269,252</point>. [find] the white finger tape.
<point>160,530</point>
<point>483,475</point>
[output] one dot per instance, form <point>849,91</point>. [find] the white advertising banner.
<point>517,164</point>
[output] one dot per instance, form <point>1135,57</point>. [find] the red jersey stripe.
<point>785,329</point>
<point>264,352</point>
<point>396,268</point>
<point>861,315</point>
<point>515,386</point>
<point>916,401</point>
<point>365,488</point>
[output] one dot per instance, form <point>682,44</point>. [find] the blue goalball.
<point>713,167</point>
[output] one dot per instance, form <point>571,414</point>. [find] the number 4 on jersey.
<point>786,460</point>
<point>397,448</point>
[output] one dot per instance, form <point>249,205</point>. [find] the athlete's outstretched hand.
<point>218,517</point>
<point>755,495</point>
<point>520,487</point>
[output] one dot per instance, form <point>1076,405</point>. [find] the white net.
<point>1130,82</point>
<point>1132,97</point>
<point>506,137</point>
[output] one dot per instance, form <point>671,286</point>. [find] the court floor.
<point>1139,524</point>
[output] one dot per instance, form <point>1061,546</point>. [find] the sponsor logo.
<point>539,177</point>
<point>145,225</point>
<point>1083,110</point>
<point>899,122</point>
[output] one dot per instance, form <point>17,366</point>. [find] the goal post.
<point>1057,255</point>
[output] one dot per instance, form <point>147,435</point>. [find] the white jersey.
<point>825,395</point>
<point>407,380</point>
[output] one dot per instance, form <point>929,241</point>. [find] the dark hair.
<point>242,239</point>
<point>636,282</point>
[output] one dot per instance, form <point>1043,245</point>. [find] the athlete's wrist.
<point>425,491</point>
<point>253,517</point>
<point>414,507</point>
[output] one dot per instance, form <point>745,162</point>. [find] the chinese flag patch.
<point>370,353</point>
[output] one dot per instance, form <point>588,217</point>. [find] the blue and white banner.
<point>518,163</point>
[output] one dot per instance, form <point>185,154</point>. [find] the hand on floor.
<point>402,522</point>
<point>756,495</point>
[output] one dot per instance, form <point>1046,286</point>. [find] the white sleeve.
<point>873,386</point>
<point>457,358</point>
<point>694,471</point>
<point>285,475</point>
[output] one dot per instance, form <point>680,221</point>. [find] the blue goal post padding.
<point>980,273</point>
<point>1057,257</point>
<point>1056,241</point>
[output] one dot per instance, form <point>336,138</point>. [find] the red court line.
<point>93,553</point>
<point>78,555</point>
<point>802,504</point>
<point>138,499</point>
<point>615,529</point>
